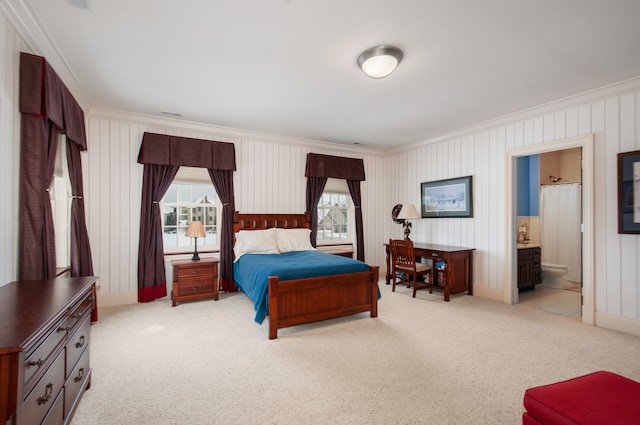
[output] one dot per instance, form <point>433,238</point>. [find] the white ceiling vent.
<point>81,4</point>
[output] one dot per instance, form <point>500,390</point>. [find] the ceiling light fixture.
<point>379,61</point>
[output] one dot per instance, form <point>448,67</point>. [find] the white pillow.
<point>255,242</point>
<point>294,240</point>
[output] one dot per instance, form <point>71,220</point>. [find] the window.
<point>186,201</point>
<point>334,217</point>
<point>60,197</point>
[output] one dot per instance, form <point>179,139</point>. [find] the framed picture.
<point>629,192</point>
<point>447,198</point>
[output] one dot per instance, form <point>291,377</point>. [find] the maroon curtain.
<point>48,108</point>
<point>315,187</point>
<point>164,152</point>
<point>324,166</point>
<point>36,247</point>
<point>152,280</point>
<point>354,190</point>
<point>223,182</point>
<point>81,262</point>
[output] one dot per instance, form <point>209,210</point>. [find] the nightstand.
<point>194,280</point>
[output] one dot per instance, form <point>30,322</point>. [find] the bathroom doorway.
<point>578,302</point>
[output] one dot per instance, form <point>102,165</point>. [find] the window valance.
<point>164,149</point>
<point>336,167</point>
<point>43,94</point>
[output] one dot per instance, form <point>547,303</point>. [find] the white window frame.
<point>192,176</point>
<point>338,187</point>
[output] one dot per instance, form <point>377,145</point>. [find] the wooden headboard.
<point>267,221</point>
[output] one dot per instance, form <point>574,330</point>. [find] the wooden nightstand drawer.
<point>194,286</point>
<point>194,280</point>
<point>205,271</point>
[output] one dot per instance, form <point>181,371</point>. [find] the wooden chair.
<point>403,260</point>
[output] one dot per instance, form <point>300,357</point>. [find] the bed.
<point>296,301</point>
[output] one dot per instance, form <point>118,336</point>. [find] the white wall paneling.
<point>612,117</point>
<point>11,45</point>
<point>269,178</point>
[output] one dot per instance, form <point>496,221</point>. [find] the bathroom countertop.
<point>527,245</point>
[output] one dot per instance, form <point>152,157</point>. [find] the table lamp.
<point>195,231</point>
<point>408,212</point>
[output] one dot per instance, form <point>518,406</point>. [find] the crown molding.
<point>225,134</point>
<point>40,43</point>
<point>590,96</point>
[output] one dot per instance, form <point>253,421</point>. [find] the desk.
<point>458,272</point>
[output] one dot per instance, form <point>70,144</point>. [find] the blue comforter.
<point>251,272</point>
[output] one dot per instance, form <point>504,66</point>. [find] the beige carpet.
<point>422,361</point>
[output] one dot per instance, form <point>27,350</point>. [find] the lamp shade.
<point>195,230</point>
<point>408,212</point>
<point>379,61</point>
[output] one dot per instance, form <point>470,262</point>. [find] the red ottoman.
<point>597,398</point>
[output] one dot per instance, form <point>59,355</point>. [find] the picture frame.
<point>447,198</point>
<point>629,192</point>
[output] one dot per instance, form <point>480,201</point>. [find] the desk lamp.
<point>408,212</point>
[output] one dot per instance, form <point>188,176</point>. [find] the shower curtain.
<point>560,221</point>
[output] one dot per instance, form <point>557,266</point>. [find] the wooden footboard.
<point>301,301</point>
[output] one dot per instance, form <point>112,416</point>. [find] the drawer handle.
<point>47,395</point>
<point>64,328</point>
<point>80,342</point>
<point>196,287</point>
<point>76,316</point>
<point>38,363</point>
<point>80,376</point>
<point>194,271</point>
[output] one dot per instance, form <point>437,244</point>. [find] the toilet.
<point>553,276</point>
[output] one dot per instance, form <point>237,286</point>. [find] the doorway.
<point>511,294</point>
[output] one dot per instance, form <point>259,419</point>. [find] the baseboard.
<point>617,323</point>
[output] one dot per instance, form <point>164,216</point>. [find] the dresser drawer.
<point>76,382</point>
<point>42,355</point>
<point>79,310</point>
<point>56,412</point>
<point>77,343</point>
<point>43,395</point>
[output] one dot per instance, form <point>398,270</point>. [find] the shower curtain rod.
<point>560,184</point>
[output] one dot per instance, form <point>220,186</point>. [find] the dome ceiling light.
<point>379,61</point>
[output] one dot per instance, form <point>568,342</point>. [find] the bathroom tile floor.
<point>551,300</point>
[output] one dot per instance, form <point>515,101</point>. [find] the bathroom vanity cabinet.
<point>529,268</point>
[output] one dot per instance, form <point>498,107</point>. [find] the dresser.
<point>529,268</point>
<point>194,280</point>
<point>44,349</point>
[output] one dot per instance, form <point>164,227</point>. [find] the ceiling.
<point>288,67</point>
